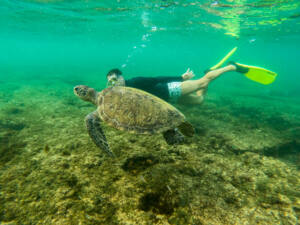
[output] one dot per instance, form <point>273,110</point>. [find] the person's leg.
<point>191,99</point>
<point>191,86</point>
<point>194,98</point>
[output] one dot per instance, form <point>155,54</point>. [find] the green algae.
<point>231,172</point>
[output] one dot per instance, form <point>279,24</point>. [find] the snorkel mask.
<point>115,80</point>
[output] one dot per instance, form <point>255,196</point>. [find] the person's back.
<point>155,85</point>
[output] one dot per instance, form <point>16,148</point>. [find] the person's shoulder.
<point>139,78</point>
<point>133,80</point>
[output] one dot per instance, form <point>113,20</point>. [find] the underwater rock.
<point>137,164</point>
<point>12,125</point>
<point>291,147</point>
<point>13,110</point>
<point>158,203</point>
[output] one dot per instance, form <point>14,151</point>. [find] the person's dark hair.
<point>114,71</point>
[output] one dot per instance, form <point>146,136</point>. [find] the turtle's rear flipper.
<point>173,137</point>
<point>186,128</point>
<point>93,125</point>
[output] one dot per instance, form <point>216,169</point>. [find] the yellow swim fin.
<point>255,73</point>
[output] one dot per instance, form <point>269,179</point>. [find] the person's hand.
<point>189,74</point>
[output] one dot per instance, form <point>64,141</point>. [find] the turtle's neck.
<point>94,96</point>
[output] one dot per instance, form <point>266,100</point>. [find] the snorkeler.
<point>186,91</point>
<point>181,88</point>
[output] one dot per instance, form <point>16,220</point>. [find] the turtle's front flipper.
<point>173,137</point>
<point>93,125</point>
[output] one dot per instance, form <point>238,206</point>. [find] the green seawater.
<point>242,165</point>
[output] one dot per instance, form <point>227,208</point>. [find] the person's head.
<point>115,78</point>
<point>85,93</point>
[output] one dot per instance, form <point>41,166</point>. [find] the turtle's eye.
<point>83,92</point>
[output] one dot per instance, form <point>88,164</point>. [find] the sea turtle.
<point>132,110</point>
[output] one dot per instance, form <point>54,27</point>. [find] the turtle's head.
<point>86,93</point>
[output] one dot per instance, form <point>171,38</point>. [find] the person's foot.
<point>238,68</point>
<point>231,67</point>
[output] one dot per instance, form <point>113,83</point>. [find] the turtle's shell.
<point>137,111</point>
